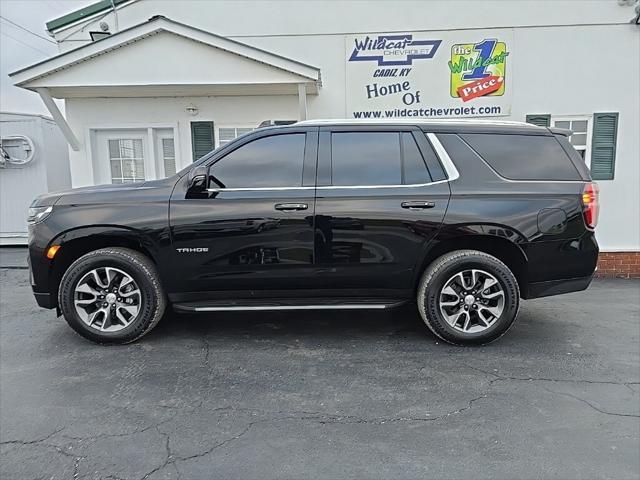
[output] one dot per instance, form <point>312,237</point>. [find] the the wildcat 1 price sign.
<point>423,75</point>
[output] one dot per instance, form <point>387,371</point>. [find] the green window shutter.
<point>603,145</point>
<point>202,139</point>
<point>542,120</point>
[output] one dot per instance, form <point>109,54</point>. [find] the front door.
<point>377,208</point>
<point>253,231</point>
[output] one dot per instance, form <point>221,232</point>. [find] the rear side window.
<point>274,161</point>
<point>376,158</point>
<point>414,169</point>
<point>523,157</point>
<point>575,157</point>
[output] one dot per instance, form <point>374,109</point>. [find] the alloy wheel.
<point>107,299</point>
<point>472,301</point>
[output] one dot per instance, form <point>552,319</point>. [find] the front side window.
<point>376,158</point>
<point>126,158</point>
<point>267,162</point>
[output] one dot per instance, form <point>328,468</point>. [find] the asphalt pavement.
<point>324,395</point>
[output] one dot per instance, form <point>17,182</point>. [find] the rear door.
<point>253,229</point>
<point>378,205</point>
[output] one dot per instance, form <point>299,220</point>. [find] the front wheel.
<point>112,295</point>
<point>468,297</point>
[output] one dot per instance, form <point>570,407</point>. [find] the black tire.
<point>139,268</point>
<point>444,268</point>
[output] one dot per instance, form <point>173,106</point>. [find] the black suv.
<point>465,218</point>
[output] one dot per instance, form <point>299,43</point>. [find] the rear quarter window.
<point>523,157</point>
<point>575,157</point>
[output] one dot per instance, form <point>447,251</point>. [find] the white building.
<point>150,85</point>
<point>33,160</point>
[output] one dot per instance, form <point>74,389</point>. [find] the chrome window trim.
<point>541,181</point>
<point>445,159</point>
<point>322,187</point>
<point>257,189</point>
<point>449,167</point>
<point>355,187</point>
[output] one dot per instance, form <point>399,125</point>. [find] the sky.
<point>19,48</point>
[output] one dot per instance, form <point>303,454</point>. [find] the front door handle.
<point>417,205</point>
<point>291,206</point>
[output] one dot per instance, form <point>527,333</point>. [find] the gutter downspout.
<point>58,118</point>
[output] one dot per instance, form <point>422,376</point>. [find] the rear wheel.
<point>468,297</point>
<point>112,295</point>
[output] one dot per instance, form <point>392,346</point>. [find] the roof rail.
<point>387,121</point>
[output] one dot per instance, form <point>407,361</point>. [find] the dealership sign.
<point>392,49</point>
<point>429,75</point>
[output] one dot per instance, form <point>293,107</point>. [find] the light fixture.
<point>192,110</point>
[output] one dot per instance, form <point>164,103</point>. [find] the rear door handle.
<point>291,206</point>
<point>417,205</point>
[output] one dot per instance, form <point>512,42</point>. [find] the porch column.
<point>59,118</point>
<point>302,101</point>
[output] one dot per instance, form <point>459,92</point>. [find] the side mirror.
<point>198,177</point>
<point>197,181</point>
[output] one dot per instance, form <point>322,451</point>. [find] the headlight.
<point>38,214</point>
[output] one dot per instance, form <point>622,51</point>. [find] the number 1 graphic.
<point>486,49</point>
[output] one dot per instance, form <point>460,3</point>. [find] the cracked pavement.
<point>324,395</point>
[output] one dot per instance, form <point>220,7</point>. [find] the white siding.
<point>237,18</point>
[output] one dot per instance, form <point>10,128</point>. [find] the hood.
<point>110,193</point>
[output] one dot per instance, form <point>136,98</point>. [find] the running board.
<point>288,304</point>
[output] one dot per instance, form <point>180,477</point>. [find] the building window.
<point>165,152</point>
<point>168,157</point>
<point>226,134</point>
<point>121,155</point>
<point>581,136</point>
<point>126,157</point>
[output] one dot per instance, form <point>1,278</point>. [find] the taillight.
<point>590,205</point>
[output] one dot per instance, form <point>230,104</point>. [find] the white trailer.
<point>34,159</point>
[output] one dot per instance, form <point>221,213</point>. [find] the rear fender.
<point>502,242</point>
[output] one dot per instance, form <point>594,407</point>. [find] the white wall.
<point>237,18</point>
<point>561,70</point>
<point>55,156</point>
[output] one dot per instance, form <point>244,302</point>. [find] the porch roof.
<point>165,58</point>
<point>162,57</point>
